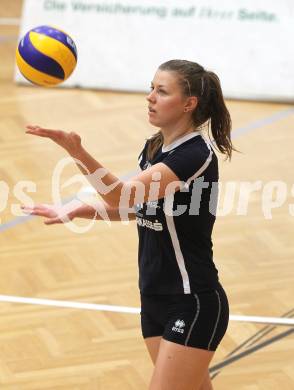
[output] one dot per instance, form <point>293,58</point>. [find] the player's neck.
<point>170,134</point>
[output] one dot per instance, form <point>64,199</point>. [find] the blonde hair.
<point>194,80</point>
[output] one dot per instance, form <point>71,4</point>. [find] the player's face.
<point>165,101</point>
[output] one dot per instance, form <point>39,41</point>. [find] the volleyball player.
<point>184,309</point>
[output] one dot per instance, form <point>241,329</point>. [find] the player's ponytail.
<point>219,116</point>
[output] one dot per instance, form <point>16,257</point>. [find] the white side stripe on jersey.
<point>179,255</point>
<point>204,166</point>
<point>173,233</point>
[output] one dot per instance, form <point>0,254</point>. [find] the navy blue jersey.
<point>175,247</point>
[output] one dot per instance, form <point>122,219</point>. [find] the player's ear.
<point>191,103</point>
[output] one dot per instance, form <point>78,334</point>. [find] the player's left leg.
<point>180,367</point>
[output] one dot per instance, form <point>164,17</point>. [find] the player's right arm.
<point>62,214</point>
<point>114,213</point>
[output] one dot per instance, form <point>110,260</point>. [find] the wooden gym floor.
<point>51,347</point>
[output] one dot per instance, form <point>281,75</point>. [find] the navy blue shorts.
<point>197,320</point>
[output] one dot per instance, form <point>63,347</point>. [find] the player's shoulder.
<point>196,142</point>
<point>197,147</point>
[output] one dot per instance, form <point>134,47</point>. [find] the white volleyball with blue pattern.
<point>46,56</point>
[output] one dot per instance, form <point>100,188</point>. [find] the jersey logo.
<point>179,326</point>
<point>153,204</point>
<point>157,226</point>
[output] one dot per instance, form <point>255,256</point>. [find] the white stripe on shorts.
<point>195,318</point>
<point>217,320</point>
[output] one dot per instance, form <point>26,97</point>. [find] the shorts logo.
<point>179,326</point>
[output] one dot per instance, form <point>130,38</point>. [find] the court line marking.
<point>254,341</point>
<point>259,335</point>
<point>215,369</point>
<point>130,310</point>
<point>15,222</point>
<point>268,120</point>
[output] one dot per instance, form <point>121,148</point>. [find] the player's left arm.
<point>149,185</point>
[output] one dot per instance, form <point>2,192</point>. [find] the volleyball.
<point>46,56</point>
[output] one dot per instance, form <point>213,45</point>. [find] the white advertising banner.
<point>120,44</point>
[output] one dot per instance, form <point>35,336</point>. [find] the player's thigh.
<point>180,367</point>
<point>152,344</point>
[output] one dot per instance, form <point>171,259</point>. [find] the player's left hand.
<point>71,142</point>
<point>54,214</point>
